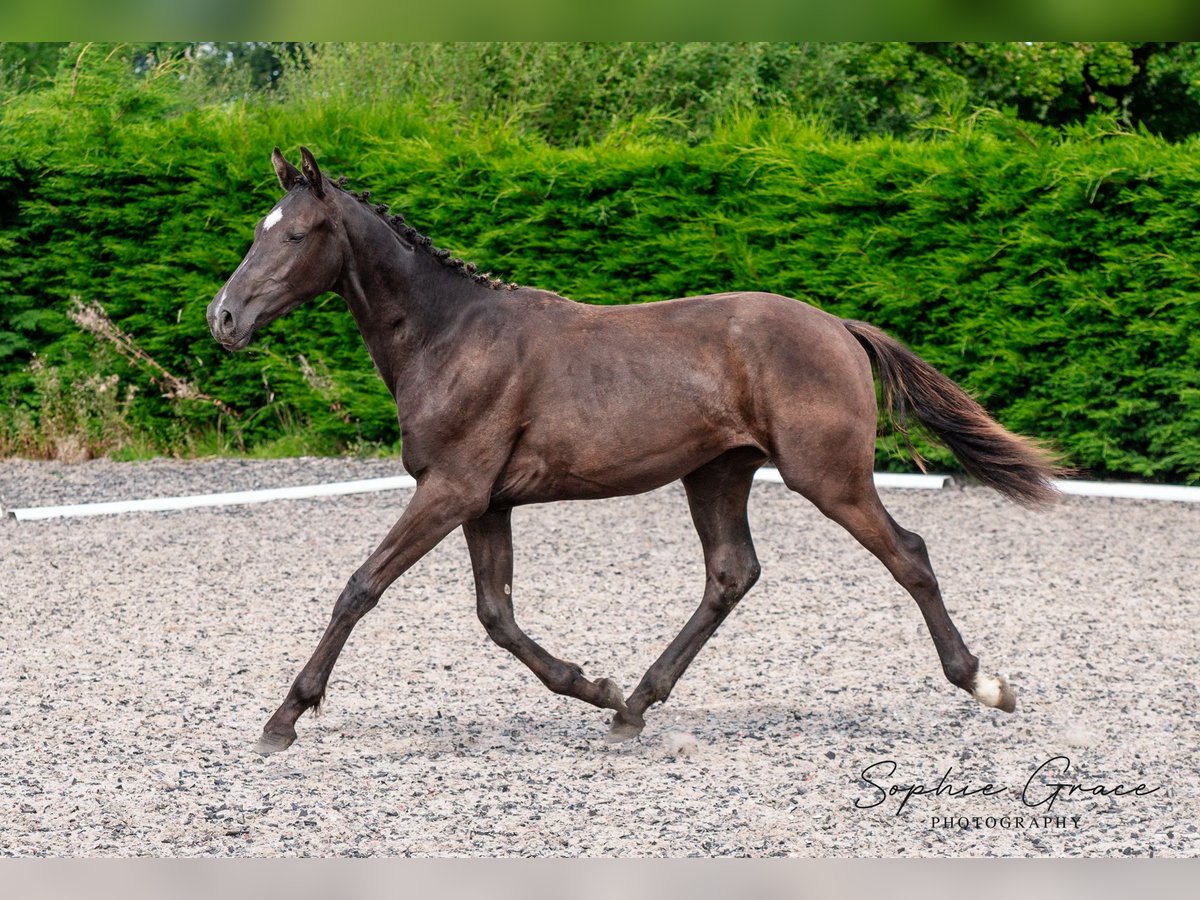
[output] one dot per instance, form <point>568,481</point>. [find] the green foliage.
<point>577,93</point>
<point>1155,86</point>
<point>1055,273</point>
<point>24,66</point>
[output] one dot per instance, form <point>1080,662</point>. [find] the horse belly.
<point>616,444</point>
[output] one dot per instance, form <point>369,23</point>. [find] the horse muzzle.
<point>224,326</point>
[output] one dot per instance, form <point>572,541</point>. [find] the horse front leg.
<point>436,509</point>
<point>489,539</point>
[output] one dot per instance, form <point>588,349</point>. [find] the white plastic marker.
<point>882,479</point>
<point>157,504</point>
<point>1171,492</point>
<point>301,492</point>
<point>1176,492</point>
<point>1125,491</point>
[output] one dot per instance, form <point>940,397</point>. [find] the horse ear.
<point>311,173</point>
<point>287,174</point>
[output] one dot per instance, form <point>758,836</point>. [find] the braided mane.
<point>410,235</point>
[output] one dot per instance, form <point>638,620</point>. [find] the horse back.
<point>618,400</point>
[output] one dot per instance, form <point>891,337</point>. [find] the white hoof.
<point>993,691</point>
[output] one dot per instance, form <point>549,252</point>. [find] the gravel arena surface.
<point>142,653</point>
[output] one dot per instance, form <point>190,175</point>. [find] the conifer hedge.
<point>1054,274</point>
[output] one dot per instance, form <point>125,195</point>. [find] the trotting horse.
<point>509,395</point>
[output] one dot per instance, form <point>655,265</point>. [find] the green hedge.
<point>1054,275</point>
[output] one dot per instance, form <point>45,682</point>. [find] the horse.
<point>510,395</point>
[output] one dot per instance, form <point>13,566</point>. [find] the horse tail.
<point>1016,466</point>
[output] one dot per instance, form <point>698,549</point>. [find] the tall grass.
<point>75,420</point>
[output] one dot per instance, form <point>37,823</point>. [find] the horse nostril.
<point>225,322</point>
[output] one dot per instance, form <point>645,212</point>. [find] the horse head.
<point>297,254</point>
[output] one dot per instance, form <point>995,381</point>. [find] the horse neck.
<point>405,301</point>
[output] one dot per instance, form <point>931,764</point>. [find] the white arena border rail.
<point>369,485</point>
<point>234,498</point>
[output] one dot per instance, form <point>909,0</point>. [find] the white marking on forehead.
<point>272,219</point>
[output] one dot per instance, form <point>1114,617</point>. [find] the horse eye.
<point>295,238</point>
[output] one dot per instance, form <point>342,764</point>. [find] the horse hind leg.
<point>853,503</point>
<point>963,668</point>
<point>717,494</point>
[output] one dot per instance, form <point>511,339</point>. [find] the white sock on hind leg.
<point>987,689</point>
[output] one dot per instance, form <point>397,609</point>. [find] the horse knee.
<point>733,581</point>
<point>357,599</point>
<point>498,626</point>
<point>489,617</point>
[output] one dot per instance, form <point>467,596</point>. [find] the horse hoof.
<point>273,743</point>
<point>625,727</point>
<point>993,691</point>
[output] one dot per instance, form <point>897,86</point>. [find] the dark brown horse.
<point>511,395</point>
